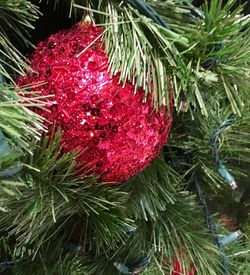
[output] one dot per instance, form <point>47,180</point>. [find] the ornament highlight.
<point>117,134</point>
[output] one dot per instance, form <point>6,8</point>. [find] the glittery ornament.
<point>118,134</point>
<point>178,268</point>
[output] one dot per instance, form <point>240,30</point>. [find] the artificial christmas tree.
<point>188,211</point>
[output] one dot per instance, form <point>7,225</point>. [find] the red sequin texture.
<point>118,133</point>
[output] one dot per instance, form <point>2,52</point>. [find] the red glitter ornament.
<point>178,269</point>
<point>118,134</point>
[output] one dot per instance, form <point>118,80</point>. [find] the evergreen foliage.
<point>53,221</point>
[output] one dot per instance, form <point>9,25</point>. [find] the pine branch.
<point>168,226</point>
<point>239,257</point>
<point>48,205</point>
<point>178,232</point>
<point>15,18</point>
<point>57,261</point>
<point>67,5</point>
<point>144,52</point>
<point>165,223</point>
<point>152,191</point>
<point>191,142</point>
<point>51,195</point>
<point>238,251</point>
<point>139,50</point>
<point>215,62</point>
<point>17,121</point>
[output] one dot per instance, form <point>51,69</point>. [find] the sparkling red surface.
<point>118,133</point>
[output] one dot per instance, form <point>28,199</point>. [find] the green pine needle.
<point>52,193</point>
<point>16,17</point>
<point>17,121</point>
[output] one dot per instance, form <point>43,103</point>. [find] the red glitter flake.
<point>118,134</point>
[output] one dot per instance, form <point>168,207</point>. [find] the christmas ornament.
<point>178,268</point>
<point>230,221</point>
<point>118,134</point>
